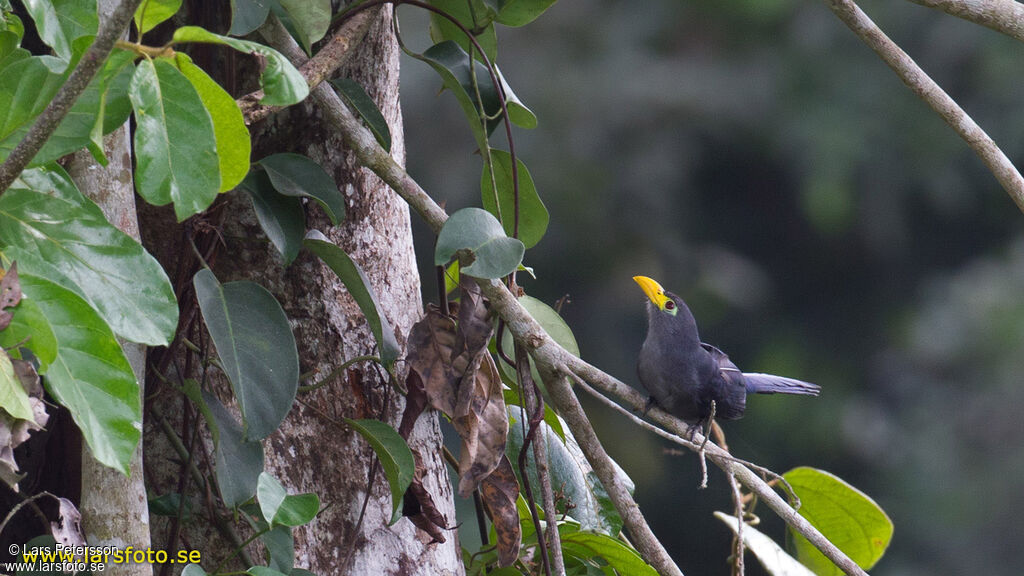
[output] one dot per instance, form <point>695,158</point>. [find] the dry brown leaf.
<point>499,491</point>
<point>418,506</point>
<point>13,431</point>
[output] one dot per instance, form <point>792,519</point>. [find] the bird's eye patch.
<point>670,305</point>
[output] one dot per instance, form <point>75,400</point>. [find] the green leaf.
<point>521,12</point>
<point>281,509</point>
<point>518,113</point>
<point>193,570</point>
<point>169,505</point>
<point>13,397</point>
<point>282,218</point>
<point>29,329</point>
<point>233,142</point>
<point>451,62</point>
<point>774,559</point>
<point>367,109</point>
<point>359,287</point>
<point>493,254</point>
<point>281,545</point>
<point>90,375</point>
<point>298,175</point>
<point>239,462</point>
<point>27,84</point>
<point>623,559</point>
<point>282,83</point>
<point>533,216</point>
<point>151,13</point>
<point>248,15</point>
<point>53,231</point>
<point>846,516</point>
<point>442,29</point>
<point>175,144</point>
<point>550,418</point>
<point>61,22</point>
<point>256,348</point>
<point>311,19</point>
<point>394,455</point>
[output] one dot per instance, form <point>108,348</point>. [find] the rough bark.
<point>309,452</point>
<point>313,451</point>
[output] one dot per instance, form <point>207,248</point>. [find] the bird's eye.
<point>670,305</point>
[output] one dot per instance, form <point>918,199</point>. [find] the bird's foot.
<point>651,403</point>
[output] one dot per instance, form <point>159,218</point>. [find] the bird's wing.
<point>771,384</point>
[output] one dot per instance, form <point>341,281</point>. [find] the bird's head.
<point>662,300</point>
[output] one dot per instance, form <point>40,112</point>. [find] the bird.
<point>694,381</point>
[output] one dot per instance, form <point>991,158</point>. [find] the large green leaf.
<point>175,144</point>
<point>298,175</point>
<point>239,462</point>
<point>53,231</point>
<point>846,516</point>
<point>282,83</point>
<point>619,556</point>
<point>233,142</point>
<point>474,15</point>
<point>13,397</point>
<point>311,19</point>
<point>499,198</point>
<point>452,63</point>
<point>552,323</point>
<point>151,13</point>
<point>281,546</point>
<point>248,15</point>
<point>359,287</point>
<point>256,348</point>
<point>367,109</point>
<point>570,470</point>
<point>394,455</point>
<point>282,509</point>
<point>90,375</point>
<point>774,559</point>
<point>282,218</point>
<point>475,230</point>
<point>61,22</point>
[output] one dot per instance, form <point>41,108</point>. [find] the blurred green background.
<point>822,222</point>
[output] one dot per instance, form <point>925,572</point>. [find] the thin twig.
<point>737,503</point>
<point>1006,16</point>
<point>933,94</point>
<point>50,118</point>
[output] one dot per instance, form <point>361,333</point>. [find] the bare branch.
<point>1006,16</point>
<point>553,361</point>
<point>926,88</point>
<point>331,56</point>
<point>61,104</point>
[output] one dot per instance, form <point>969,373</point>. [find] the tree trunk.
<point>313,451</point>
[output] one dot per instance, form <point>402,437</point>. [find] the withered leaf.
<point>499,491</point>
<point>67,530</point>
<point>14,431</point>
<point>415,403</point>
<point>418,506</point>
<point>10,294</point>
<point>462,381</point>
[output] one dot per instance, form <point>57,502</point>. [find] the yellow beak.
<point>653,290</point>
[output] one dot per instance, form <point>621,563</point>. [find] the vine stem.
<point>58,108</point>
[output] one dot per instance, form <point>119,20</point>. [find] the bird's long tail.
<point>771,384</point>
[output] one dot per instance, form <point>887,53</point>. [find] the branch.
<point>1006,16</point>
<point>926,88</point>
<point>87,67</point>
<point>551,359</point>
<point>331,56</point>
